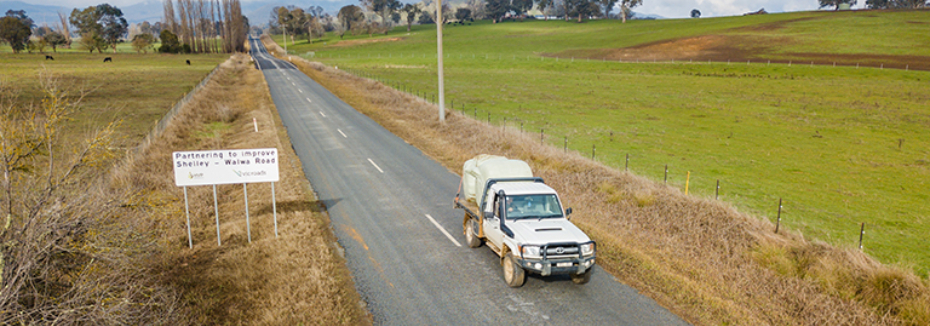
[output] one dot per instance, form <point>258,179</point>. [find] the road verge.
<point>295,278</point>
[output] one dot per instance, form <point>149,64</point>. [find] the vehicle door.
<point>492,220</point>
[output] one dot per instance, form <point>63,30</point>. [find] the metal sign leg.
<point>190,242</point>
<point>248,225</point>
<point>274,210</point>
<point>216,213</point>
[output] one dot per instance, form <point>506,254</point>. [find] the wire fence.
<point>652,60</point>
<point>681,178</point>
<point>166,119</point>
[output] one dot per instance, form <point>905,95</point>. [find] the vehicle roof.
<point>523,188</point>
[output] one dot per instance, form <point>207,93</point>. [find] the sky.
<point>664,8</point>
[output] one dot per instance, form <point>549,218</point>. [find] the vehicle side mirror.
<point>568,211</point>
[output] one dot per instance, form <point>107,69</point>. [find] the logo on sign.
<point>191,175</point>
<point>250,173</point>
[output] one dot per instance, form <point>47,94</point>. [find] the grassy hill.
<point>840,145</point>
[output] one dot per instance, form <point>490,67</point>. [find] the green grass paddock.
<point>839,145</point>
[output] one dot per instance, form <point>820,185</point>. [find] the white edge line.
<point>457,244</point>
<point>341,133</point>
<point>376,166</point>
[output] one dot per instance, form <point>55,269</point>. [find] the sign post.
<point>187,211</point>
<point>232,166</point>
<point>216,214</point>
<point>248,225</point>
<point>274,210</point>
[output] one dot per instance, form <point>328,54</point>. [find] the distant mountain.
<point>259,12</point>
<point>147,10</point>
<point>150,10</point>
<point>40,14</point>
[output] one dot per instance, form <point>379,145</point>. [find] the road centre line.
<point>308,100</point>
<point>457,244</point>
<point>300,90</point>
<point>321,113</point>
<point>376,166</point>
<point>341,133</point>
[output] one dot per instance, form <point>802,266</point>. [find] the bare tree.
<point>198,23</point>
<point>169,19</point>
<point>65,30</point>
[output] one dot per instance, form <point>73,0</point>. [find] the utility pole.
<point>442,91</point>
<point>285,39</point>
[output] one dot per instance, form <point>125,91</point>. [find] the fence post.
<point>594,152</point>
<point>778,220</point>
<point>861,233</point>
<point>666,174</point>
<point>542,135</point>
<point>687,182</point>
<point>489,117</point>
<point>565,147</point>
<point>627,166</point>
<point>717,191</point>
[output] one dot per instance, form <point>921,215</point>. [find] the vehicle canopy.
<point>477,171</point>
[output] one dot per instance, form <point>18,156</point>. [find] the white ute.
<point>522,220</point>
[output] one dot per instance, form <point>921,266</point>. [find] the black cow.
<point>188,62</point>
<point>107,59</point>
<point>48,57</point>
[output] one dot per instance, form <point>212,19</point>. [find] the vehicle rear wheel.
<point>583,278</point>
<point>514,275</point>
<point>470,237</point>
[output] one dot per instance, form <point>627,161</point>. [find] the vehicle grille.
<point>562,251</point>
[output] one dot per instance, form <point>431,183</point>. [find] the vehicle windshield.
<point>533,206</point>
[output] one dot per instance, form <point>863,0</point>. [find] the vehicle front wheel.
<point>583,278</point>
<point>514,275</point>
<point>470,237</point>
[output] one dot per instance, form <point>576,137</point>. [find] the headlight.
<point>587,249</point>
<point>530,251</point>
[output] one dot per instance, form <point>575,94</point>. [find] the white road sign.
<point>200,168</point>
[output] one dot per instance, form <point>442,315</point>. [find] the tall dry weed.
<point>68,255</point>
<point>701,258</point>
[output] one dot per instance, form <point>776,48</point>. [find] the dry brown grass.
<point>295,278</point>
<point>699,257</point>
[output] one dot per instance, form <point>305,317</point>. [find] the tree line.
<point>195,26</point>
<point>381,16</point>
<point>878,4</point>
<point>16,29</point>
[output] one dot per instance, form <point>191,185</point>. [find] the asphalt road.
<point>391,208</point>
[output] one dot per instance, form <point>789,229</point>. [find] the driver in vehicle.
<point>522,206</point>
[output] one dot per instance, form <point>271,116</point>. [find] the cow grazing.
<point>48,57</point>
<point>107,59</point>
<point>188,62</point>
